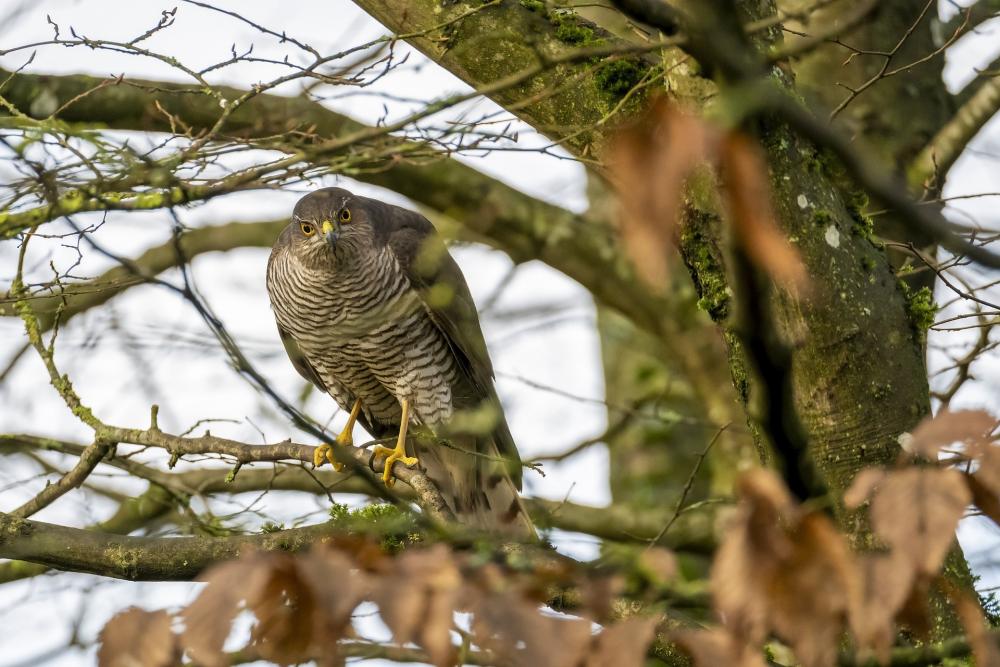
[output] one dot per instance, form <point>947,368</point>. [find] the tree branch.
<point>75,298</point>
<point>140,558</point>
<point>934,162</point>
<point>693,531</point>
<point>89,458</point>
<point>977,14</point>
<point>492,212</point>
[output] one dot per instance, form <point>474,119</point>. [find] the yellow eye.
<point>345,215</point>
<point>307,228</point>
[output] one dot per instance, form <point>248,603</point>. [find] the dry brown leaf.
<point>988,470</point>
<point>885,584</point>
<point>748,194</point>
<point>286,614</point>
<point>984,483</point>
<point>658,564</point>
<point>915,614</point>
<point>417,599</point>
<point>984,497</point>
<point>965,426</point>
<point>598,595</point>
<point>302,606</point>
<point>337,586</point>
<point>915,512</point>
<point>781,571</point>
<point>651,161</point>
<point>811,590</point>
<point>209,619</point>
<point>518,633</point>
<point>623,644</point>
<point>862,487</point>
<point>984,646</point>
<point>138,638</point>
<point>717,647</point>
<point>755,539</point>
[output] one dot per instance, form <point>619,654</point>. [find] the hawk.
<point>373,310</point>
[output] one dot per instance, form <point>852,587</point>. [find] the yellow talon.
<point>324,453</point>
<point>399,452</point>
<point>345,439</point>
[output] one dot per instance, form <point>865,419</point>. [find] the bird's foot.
<point>345,439</point>
<point>392,455</point>
<point>325,453</point>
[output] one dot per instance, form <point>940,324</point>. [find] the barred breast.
<point>368,335</point>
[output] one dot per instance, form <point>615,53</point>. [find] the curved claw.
<point>392,455</point>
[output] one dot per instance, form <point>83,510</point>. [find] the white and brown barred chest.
<point>368,335</point>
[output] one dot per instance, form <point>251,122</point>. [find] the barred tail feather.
<point>477,485</point>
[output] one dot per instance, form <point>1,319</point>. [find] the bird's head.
<point>330,223</point>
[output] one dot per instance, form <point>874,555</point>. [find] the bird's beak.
<point>331,232</point>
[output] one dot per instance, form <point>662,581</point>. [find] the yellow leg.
<point>346,438</point>
<point>399,453</point>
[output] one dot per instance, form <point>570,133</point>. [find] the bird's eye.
<point>345,215</point>
<point>307,228</point>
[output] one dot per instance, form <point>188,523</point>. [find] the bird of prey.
<point>373,310</point>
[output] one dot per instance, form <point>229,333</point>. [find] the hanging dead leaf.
<point>209,619</point>
<point>754,539</point>
<point>659,564</point>
<point>301,604</point>
<point>783,571</point>
<point>519,634</point>
<point>138,638</point>
<point>984,645</point>
<point>811,589</point>
<point>885,582</point>
<point>623,644</point>
<point>417,599</point>
<point>964,426</point>
<point>863,486</point>
<point>337,586</point>
<point>598,595</point>
<point>915,614</point>
<point>650,163</point>
<point>983,497</point>
<point>286,614</point>
<point>915,512</point>
<point>988,468</point>
<point>717,646</point>
<point>748,195</point>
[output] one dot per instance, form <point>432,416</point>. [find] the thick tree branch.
<point>694,530</point>
<point>933,163</point>
<point>140,558</point>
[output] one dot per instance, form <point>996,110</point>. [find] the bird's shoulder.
<point>437,278</point>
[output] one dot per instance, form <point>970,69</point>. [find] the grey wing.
<point>299,360</point>
<point>435,275</point>
<point>439,281</point>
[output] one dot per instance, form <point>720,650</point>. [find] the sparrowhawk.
<point>373,310</point>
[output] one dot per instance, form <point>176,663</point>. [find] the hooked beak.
<point>331,231</point>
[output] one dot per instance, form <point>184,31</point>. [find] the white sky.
<point>159,352</point>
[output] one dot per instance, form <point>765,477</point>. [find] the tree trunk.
<point>857,359</point>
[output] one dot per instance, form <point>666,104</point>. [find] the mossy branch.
<point>937,158</point>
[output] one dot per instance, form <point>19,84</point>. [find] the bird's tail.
<point>476,481</point>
